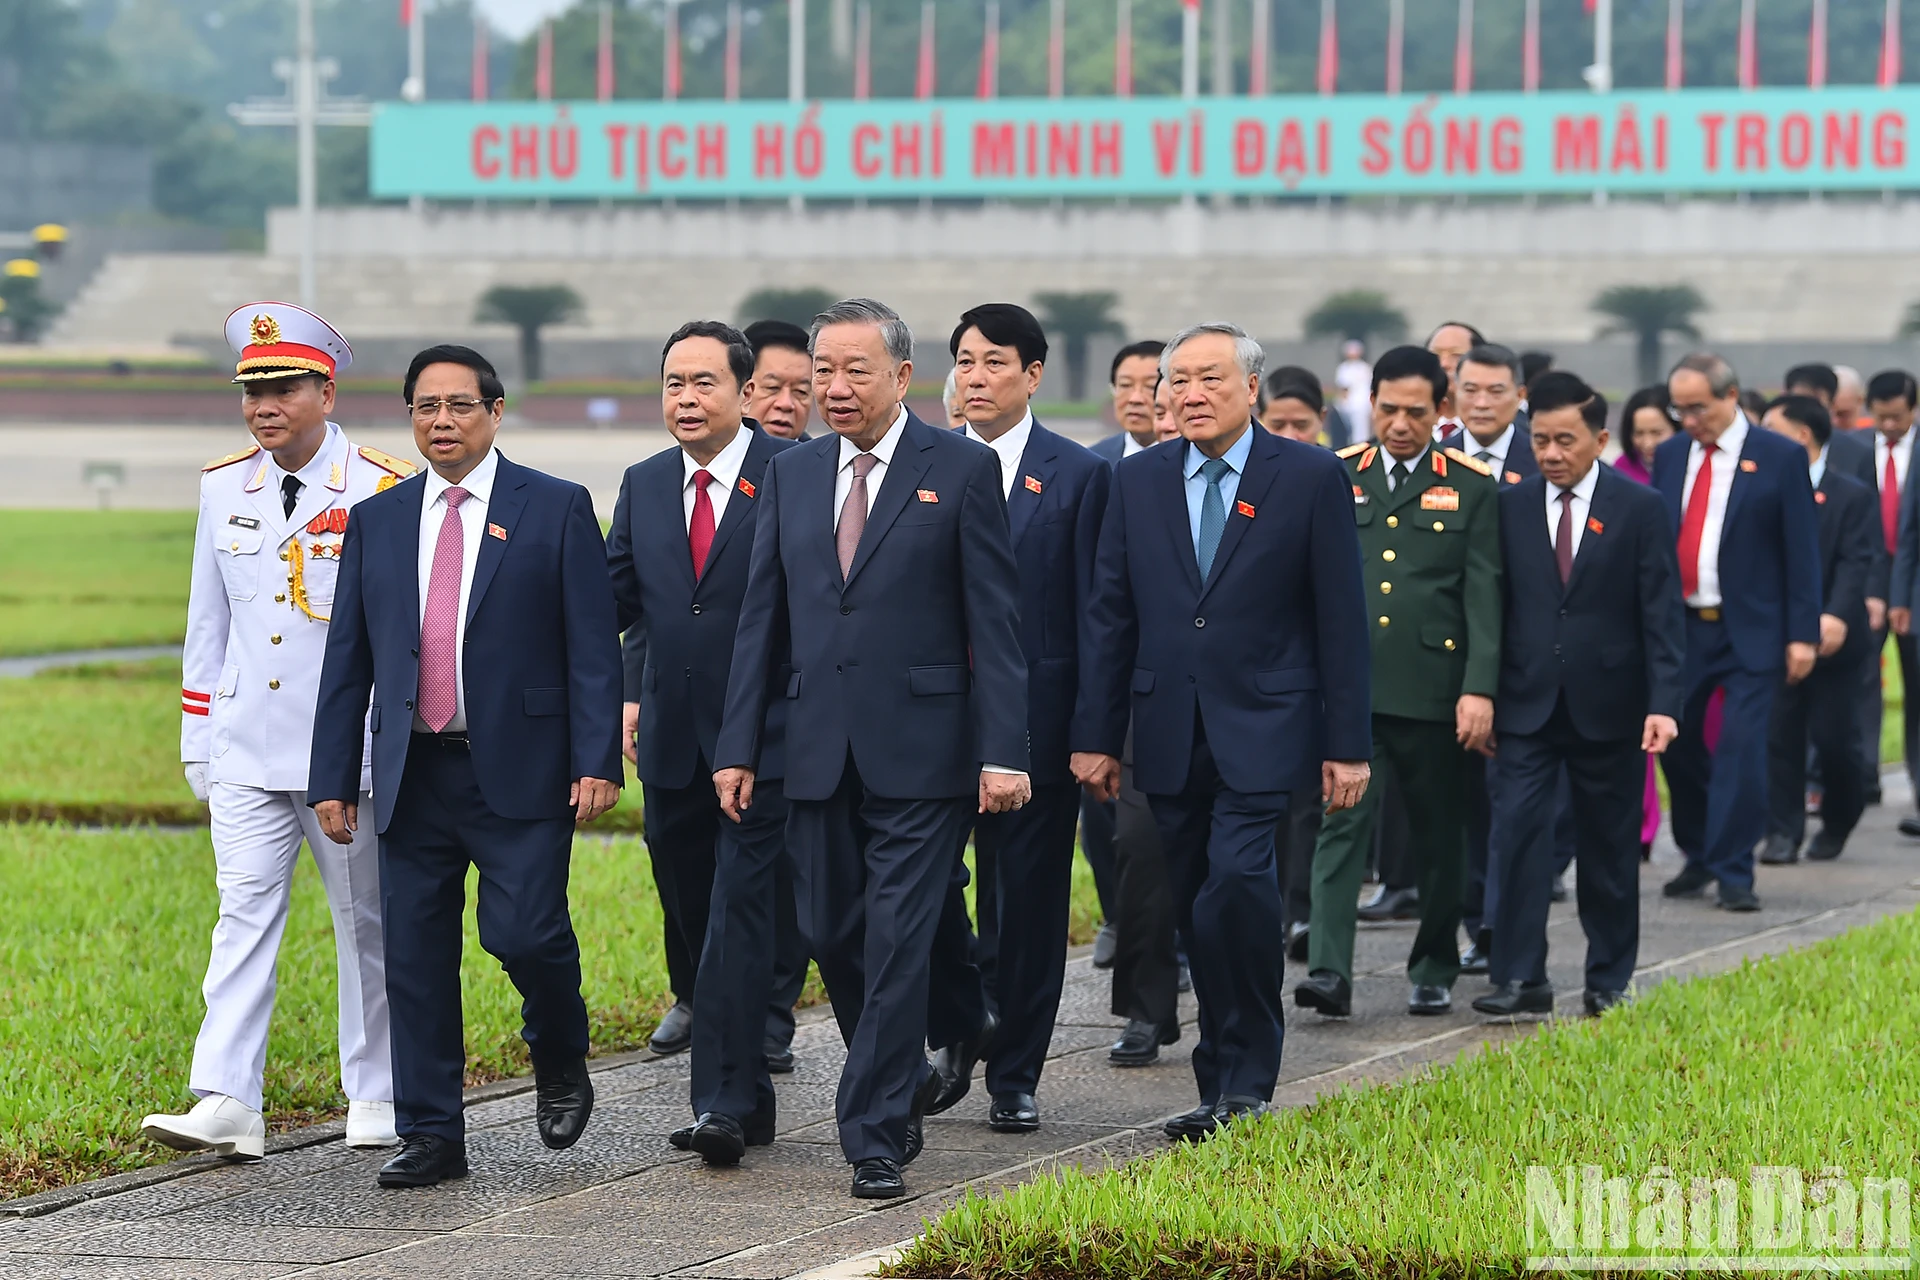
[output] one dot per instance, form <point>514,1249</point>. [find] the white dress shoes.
<point>225,1126</point>
<point>370,1124</point>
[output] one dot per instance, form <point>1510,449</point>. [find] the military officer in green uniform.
<point>1430,554</point>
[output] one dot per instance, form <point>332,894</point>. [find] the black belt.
<point>1709,614</point>
<point>455,741</point>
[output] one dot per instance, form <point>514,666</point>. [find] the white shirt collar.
<point>1412,464</point>
<point>1817,469</point>
<point>1734,438</point>
<point>1131,446</point>
<point>882,450</point>
<point>1009,444</point>
<point>725,467</point>
<point>478,484</point>
<point>1582,489</point>
<point>315,472</point>
<point>1501,445</point>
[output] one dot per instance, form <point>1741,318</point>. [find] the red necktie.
<point>700,528</point>
<point>1563,537</point>
<point>440,628</point>
<point>1890,503</point>
<point>1694,523</point>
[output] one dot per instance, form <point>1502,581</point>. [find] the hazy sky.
<point>517,17</point>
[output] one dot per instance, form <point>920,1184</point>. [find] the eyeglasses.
<point>1681,412</point>
<point>461,409</point>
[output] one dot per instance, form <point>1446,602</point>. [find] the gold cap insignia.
<point>265,331</point>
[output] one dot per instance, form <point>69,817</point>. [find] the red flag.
<point>1817,46</point>
<point>406,13</point>
<point>731,72</point>
<point>543,64</point>
<point>1676,48</point>
<point>479,72</point>
<point>1328,78</point>
<point>670,71</point>
<point>863,52</point>
<point>603,69</point>
<point>1749,50</point>
<point>1057,49</point>
<point>1530,49</point>
<point>1463,50</point>
<point>1123,49</point>
<point>1396,41</point>
<point>1258,41</point>
<point>989,86</point>
<point>924,81</point>
<point>1890,46</point>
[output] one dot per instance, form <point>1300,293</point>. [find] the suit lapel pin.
<point>1820,496</point>
<point>1594,526</point>
<point>1033,486</point>
<point>746,486</point>
<point>926,495</point>
<point>1749,466</point>
<point>1244,508</point>
<point>1513,477</point>
<point>495,531</point>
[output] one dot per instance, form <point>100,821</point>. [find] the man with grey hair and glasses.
<point>1239,645</point>
<point>882,559</point>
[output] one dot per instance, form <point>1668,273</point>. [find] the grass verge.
<point>1806,1060</point>
<point>93,579</point>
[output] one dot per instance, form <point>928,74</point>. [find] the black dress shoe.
<point>1139,1045</point>
<point>1873,797</point>
<point>1559,891</point>
<point>563,1100</point>
<point>1737,900</point>
<point>757,1128</point>
<point>1013,1113</point>
<point>916,1127</point>
<point>1474,959</point>
<point>1690,883</point>
<point>1233,1108</point>
<point>425,1160</point>
<point>1325,991</point>
<point>1298,935</point>
<point>877,1178</point>
<point>955,1063</point>
<point>675,1032</point>
<point>1427,1000</point>
<point>1910,827</point>
<point>719,1138</point>
<point>778,1056</point>
<point>1106,946</point>
<point>1598,1002</point>
<point>1780,850</point>
<point>1826,846</point>
<point>681,1139</point>
<point>1391,904</point>
<point>1191,1126</point>
<point>1516,997</point>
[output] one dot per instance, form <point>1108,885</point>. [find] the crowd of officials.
<point>1250,650</point>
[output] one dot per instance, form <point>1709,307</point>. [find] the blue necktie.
<point>1213,513</point>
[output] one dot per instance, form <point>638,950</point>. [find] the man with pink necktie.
<point>475,612</point>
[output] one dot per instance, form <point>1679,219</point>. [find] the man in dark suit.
<point>1056,494</point>
<point>1891,397</point>
<point>474,598</point>
<point>1749,551</point>
<point>782,397</point>
<point>1824,707</point>
<point>1590,650</point>
<point>681,541</point>
<point>1227,613</point>
<point>881,560</point>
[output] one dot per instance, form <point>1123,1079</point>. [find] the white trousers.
<point>256,841</point>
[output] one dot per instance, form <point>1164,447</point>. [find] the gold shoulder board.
<point>1470,462</point>
<point>387,462</point>
<point>232,458</point>
<point>1352,449</point>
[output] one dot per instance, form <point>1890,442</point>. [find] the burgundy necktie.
<point>853,513</point>
<point>700,528</point>
<point>1563,538</point>
<point>1890,503</point>
<point>439,629</point>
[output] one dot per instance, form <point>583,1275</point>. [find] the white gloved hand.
<point>197,778</point>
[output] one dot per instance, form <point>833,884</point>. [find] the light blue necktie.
<point>1213,513</point>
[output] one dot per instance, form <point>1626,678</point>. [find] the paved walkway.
<point>624,1204</point>
<point>32,666</point>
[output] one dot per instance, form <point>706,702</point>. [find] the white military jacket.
<point>257,614</point>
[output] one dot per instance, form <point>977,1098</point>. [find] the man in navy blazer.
<point>1749,553</point>
<point>473,603</point>
<point>882,563</point>
<point>1590,651</point>
<point>679,548</point>
<point>1228,616</point>
<point>1056,494</point>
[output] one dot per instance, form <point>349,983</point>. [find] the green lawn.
<point>1807,1060</point>
<point>93,579</point>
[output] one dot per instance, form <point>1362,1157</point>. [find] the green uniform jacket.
<point>1430,561</point>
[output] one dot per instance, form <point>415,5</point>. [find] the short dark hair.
<point>739,351</point>
<point>1495,356</point>
<point>1821,377</point>
<point>1654,397</point>
<point>1150,347</point>
<point>1533,364</point>
<point>1893,384</point>
<point>1004,324</point>
<point>762,334</point>
<point>1558,389</point>
<point>1806,411</point>
<point>1411,362</point>
<point>1478,338</point>
<point>491,389</point>
<point>1292,382</point>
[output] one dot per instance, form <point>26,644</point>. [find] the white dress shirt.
<point>1726,461</point>
<point>1582,504</point>
<point>473,527</point>
<point>882,455</point>
<point>725,470</point>
<point>1496,452</point>
<point>1010,446</point>
<point>1133,446</point>
<point>1412,465</point>
<point>1902,450</point>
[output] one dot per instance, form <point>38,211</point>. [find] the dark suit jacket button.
<point>845,609</point>
<point>696,608</point>
<point>1199,622</point>
<point>409,704</point>
<point>1192,680</point>
<point>840,670</point>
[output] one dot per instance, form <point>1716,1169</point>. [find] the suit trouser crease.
<point>1719,800</point>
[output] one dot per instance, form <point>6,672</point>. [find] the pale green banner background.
<point>1833,139</point>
